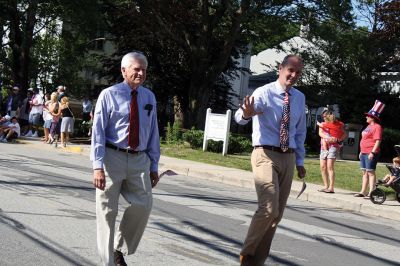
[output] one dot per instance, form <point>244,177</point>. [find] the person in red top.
<point>331,132</point>
<point>371,139</point>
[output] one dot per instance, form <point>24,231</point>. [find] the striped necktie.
<point>133,137</point>
<point>284,131</point>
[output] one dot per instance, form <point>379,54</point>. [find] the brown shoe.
<point>119,258</point>
<point>246,260</point>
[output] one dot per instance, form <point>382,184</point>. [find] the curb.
<point>342,199</point>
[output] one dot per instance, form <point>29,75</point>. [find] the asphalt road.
<point>47,217</point>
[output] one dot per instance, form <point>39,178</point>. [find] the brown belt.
<point>109,145</point>
<point>273,148</point>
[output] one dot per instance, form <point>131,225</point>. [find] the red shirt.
<point>369,136</point>
<point>334,129</point>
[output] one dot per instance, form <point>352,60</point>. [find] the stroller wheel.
<point>397,196</point>
<point>377,196</point>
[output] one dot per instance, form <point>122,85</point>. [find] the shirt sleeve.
<point>377,133</point>
<point>300,136</point>
<point>239,117</point>
<point>258,105</point>
<point>153,145</point>
<point>100,122</point>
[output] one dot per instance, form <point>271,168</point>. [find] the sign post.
<point>217,128</point>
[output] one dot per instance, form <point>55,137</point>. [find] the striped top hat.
<point>376,110</point>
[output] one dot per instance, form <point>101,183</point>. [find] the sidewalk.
<point>342,199</point>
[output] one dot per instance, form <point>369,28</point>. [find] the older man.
<point>125,153</point>
<point>13,102</point>
<point>279,131</point>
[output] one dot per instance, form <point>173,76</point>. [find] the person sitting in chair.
<point>395,175</point>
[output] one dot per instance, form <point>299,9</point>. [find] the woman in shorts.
<point>332,133</point>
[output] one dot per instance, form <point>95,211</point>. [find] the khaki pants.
<point>273,174</point>
<point>128,175</point>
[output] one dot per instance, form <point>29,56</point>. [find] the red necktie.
<point>133,138</point>
<point>284,131</point>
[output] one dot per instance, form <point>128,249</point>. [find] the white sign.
<point>217,128</point>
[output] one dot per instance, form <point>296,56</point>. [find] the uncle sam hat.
<point>376,110</point>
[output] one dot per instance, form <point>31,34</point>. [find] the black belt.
<point>109,145</point>
<point>273,148</point>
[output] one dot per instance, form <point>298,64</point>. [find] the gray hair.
<point>132,56</point>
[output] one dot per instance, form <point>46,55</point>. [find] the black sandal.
<point>359,195</point>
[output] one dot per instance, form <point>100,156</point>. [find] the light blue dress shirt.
<point>87,106</point>
<point>111,123</point>
<point>266,126</point>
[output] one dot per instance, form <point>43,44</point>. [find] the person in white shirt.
<point>12,132</point>
<point>36,103</point>
<point>47,118</point>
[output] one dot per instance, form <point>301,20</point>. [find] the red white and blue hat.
<point>376,110</point>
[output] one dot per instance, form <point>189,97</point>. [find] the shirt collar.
<point>280,90</point>
<point>126,87</point>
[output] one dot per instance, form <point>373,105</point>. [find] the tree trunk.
<point>21,39</point>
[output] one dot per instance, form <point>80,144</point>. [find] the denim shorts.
<point>47,123</point>
<point>367,164</point>
<point>34,119</point>
<point>328,154</point>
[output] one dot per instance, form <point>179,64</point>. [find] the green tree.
<point>33,50</point>
<point>192,45</point>
<point>343,63</point>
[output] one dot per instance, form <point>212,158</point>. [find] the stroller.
<point>378,196</point>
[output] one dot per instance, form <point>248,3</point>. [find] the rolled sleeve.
<point>100,122</point>
<point>239,117</point>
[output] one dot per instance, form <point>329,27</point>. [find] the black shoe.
<point>119,258</point>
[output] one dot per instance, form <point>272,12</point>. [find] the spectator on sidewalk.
<point>87,108</point>
<point>13,102</point>
<point>279,131</point>
<point>61,90</point>
<point>12,132</point>
<point>87,113</point>
<point>54,111</point>
<point>4,123</point>
<point>47,118</point>
<point>36,105</point>
<point>23,117</point>
<point>370,142</point>
<point>125,150</point>
<point>332,133</point>
<point>395,175</point>
<point>67,123</point>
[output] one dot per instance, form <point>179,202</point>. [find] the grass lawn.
<point>348,174</point>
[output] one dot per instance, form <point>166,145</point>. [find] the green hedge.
<point>81,128</point>
<point>237,143</point>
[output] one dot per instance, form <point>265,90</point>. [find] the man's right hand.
<point>99,179</point>
<point>248,107</point>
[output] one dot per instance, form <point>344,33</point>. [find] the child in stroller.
<point>392,180</point>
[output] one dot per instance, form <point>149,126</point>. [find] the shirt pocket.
<point>145,117</point>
